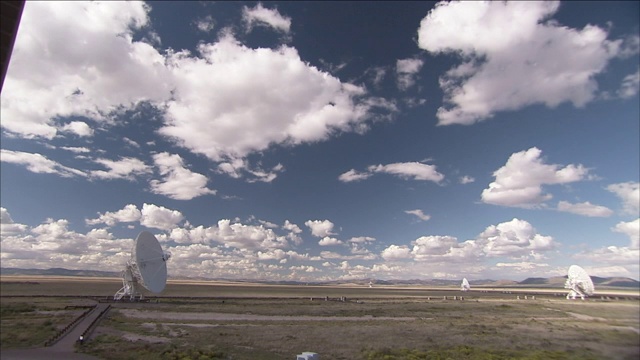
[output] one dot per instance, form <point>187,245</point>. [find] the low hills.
<point>597,281</point>
<point>557,281</point>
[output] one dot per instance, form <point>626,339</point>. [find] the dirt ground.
<point>277,329</point>
<point>279,322</point>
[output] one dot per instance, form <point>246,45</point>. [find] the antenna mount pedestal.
<point>130,283</point>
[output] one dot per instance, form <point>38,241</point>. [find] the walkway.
<point>64,348</point>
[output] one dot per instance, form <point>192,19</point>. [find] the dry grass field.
<point>216,320</point>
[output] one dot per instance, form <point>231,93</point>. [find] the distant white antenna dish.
<point>465,285</point>
<point>579,282</point>
<point>370,283</point>
<point>147,267</point>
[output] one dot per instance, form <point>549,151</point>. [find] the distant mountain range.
<point>597,281</point>
<point>557,281</point>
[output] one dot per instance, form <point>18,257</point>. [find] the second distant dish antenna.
<point>146,268</point>
<point>465,285</point>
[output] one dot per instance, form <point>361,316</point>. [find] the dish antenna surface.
<point>579,282</point>
<point>147,267</point>
<point>465,285</point>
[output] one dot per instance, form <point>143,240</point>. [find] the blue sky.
<point>318,141</point>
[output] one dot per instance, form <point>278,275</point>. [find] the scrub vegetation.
<point>401,324</point>
<point>373,329</point>
<point>29,322</point>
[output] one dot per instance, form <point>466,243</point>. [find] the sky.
<point>320,141</point>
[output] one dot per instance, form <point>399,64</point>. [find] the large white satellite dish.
<point>579,282</point>
<point>465,285</point>
<point>147,267</point>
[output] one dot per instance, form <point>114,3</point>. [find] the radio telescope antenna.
<point>147,267</point>
<point>579,282</point>
<point>465,285</point>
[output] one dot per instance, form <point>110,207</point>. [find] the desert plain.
<point>239,320</point>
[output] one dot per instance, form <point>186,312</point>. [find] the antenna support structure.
<point>575,289</point>
<point>130,283</point>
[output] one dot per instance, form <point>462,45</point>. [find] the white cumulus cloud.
<point>205,24</point>
<point>630,85</point>
<point>632,230</point>
<point>125,168</point>
<point>329,241</point>
<point>320,228</point>
<point>353,175</point>
<point>466,179</point>
<point>75,149</point>
<point>7,226</point>
<point>629,193</point>
<point>78,59</point>
<point>264,16</point>
<point>512,56</point>
<point>259,97</point>
<point>614,256</point>
<point>419,214</point>
<point>514,238</point>
<point>291,227</point>
<point>159,217</point>
<point>410,170</point>
<point>585,209</point>
<point>38,163</point>
<point>79,128</point>
<point>129,213</point>
<point>405,170</point>
<point>53,244</point>
<point>179,182</point>
<point>395,252</point>
<point>519,182</point>
<point>362,239</point>
<point>246,236</point>
<point>406,70</point>
<point>433,246</point>
<point>152,216</point>
<point>233,100</point>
